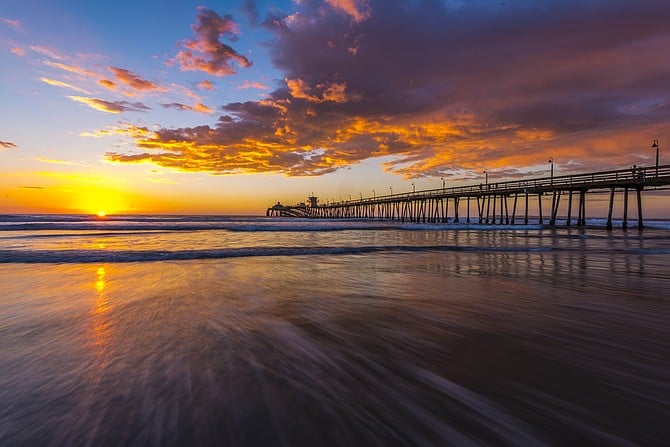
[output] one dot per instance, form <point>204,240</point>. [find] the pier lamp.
<point>486,178</point>
<point>551,160</point>
<point>655,146</point>
<point>442,178</point>
<point>413,187</point>
<point>391,188</point>
<point>361,195</point>
<point>374,196</point>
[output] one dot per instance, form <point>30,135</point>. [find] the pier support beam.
<point>640,224</point>
<point>525,215</point>
<point>567,223</point>
<point>456,200</point>
<point>554,208</point>
<point>581,220</point>
<point>488,207</point>
<point>609,212</point>
<point>493,221</point>
<point>624,224</point>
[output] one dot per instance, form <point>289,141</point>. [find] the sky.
<point>227,107</point>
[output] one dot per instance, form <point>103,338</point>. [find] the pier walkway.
<point>496,203</point>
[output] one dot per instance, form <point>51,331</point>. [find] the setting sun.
<point>101,214</point>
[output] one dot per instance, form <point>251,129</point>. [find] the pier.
<point>500,203</point>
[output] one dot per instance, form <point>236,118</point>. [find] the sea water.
<point>181,330</point>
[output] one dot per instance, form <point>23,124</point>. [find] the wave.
<point>300,226</point>
<point>139,223</point>
<point>121,256</point>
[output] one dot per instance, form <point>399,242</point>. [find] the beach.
<point>254,331</point>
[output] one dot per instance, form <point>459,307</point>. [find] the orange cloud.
<point>57,83</point>
<point>198,107</point>
<point>72,69</point>
<point>18,51</point>
<point>206,52</point>
<point>334,92</point>
<point>107,84</point>
<point>109,106</point>
<point>299,89</point>
<point>205,85</point>
<point>358,10</point>
<point>249,84</point>
<point>131,130</point>
<point>133,80</point>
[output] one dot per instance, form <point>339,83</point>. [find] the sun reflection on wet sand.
<point>100,335</point>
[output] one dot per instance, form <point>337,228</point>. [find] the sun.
<point>101,214</point>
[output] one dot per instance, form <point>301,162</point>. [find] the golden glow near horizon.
<point>219,115</point>
<point>101,214</point>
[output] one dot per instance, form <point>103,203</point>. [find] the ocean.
<point>214,330</point>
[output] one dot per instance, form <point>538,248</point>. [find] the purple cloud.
<point>441,88</point>
<point>206,52</point>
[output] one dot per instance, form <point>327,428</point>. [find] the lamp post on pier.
<point>443,184</point>
<point>374,196</point>
<point>655,146</point>
<point>391,188</point>
<point>486,178</point>
<point>551,161</point>
<point>413,187</point>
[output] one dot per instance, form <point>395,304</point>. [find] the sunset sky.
<point>176,106</point>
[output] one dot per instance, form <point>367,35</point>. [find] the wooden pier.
<point>496,203</point>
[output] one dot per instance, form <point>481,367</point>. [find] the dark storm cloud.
<point>442,85</point>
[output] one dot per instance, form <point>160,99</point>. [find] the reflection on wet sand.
<point>561,341</point>
<point>100,333</point>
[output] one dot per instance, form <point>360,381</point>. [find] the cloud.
<point>48,52</point>
<point>358,10</point>
<point>81,71</point>
<point>111,85</point>
<point>59,162</point>
<point>442,88</point>
<point>206,85</point>
<point>250,8</point>
<point>16,24</point>
<point>122,128</point>
<point>18,51</point>
<point>111,106</point>
<point>133,80</point>
<point>206,52</point>
<point>57,83</point>
<point>250,84</point>
<point>7,145</point>
<point>198,107</point>
<point>122,77</point>
<point>32,187</point>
